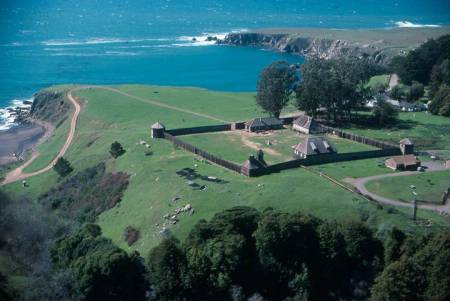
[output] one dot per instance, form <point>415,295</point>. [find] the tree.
<point>440,75</point>
<point>415,92</point>
<point>274,87</point>
<point>168,268</point>
<point>393,246</point>
<point>440,105</point>
<point>397,92</point>
<point>62,167</point>
<point>418,63</point>
<point>384,113</point>
<point>101,270</point>
<point>337,85</point>
<point>116,150</point>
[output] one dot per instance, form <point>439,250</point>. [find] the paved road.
<point>432,166</point>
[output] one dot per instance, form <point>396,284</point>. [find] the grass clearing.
<point>107,117</point>
<point>430,187</point>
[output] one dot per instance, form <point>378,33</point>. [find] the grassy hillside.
<point>154,184</point>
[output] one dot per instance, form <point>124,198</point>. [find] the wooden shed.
<point>263,124</point>
<point>306,124</point>
<point>406,162</point>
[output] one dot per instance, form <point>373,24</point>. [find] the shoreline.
<point>20,138</point>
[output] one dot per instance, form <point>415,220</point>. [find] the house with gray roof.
<point>263,124</point>
<point>313,146</point>
<point>306,124</point>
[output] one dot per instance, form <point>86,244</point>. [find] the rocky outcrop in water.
<point>308,46</point>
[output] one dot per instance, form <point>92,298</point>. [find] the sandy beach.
<point>15,141</point>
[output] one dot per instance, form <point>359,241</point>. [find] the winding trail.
<point>18,174</point>
<point>360,185</point>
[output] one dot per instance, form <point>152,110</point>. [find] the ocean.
<point>48,42</point>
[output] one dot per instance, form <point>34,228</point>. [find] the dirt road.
<point>18,174</point>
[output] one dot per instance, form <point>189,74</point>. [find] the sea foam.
<point>8,119</point>
<point>407,24</point>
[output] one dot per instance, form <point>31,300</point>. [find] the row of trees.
<point>336,87</point>
<point>244,254</point>
<point>429,65</point>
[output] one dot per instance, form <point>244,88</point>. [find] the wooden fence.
<point>200,129</point>
<point>358,138</point>
<point>195,150</point>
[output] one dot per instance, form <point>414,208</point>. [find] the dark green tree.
<point>274,87</point>
<point>62,167</point>
<point>101,270</point>
<point>5,294</point>
<point>415,92</point>
<point>384,113</point>
<point>440,105</point>
<point>393,248</point>
<point>397,92</point>
<point>289,251</point>
<point>168,269</point>
<point>337,85</point>
<point>116,150</point>
<point>439,76</point>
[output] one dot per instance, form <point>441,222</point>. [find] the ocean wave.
<point>205,39</point>
<point>407,24</point>
<point>107,53</point>
<point>95,41</point>
<point>8,118</point>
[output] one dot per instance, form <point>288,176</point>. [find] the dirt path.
<point>18,174</point>
<point>159,104</point>
<point>360,185</point>
<point>393,81</point>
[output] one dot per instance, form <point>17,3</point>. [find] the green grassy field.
<point>430,187</point>
<point>107,116</point>
<point>236,146</point>
<point>427,131</point>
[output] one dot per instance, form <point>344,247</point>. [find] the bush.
<point>116,150</point>
<point>131,235</point>
<point>87,194</point>
<point>384,114</point>
<point>63,167</point>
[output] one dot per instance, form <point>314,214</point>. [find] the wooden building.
<point>306,124</point>
<point>313,146</point>
<point>263,124</point>
<point>405,162</point>
<point>157,130</point>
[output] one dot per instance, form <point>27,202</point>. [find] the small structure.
<point>158,130</point>
<point>253,167</point>
<point>313,146</point>
<point>405,162</point>
<point>263,124</point>
<point>406,146</point>
<point>305,124</point>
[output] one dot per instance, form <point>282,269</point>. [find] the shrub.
<point>131,235</point>
<point>63,167</point>
<point>116,150</point>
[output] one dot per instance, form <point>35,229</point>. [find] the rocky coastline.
<point>379,46</point>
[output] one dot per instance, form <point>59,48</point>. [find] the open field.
<point>238,145</point>
<point>108,116</point>
<point>427,131</point>
<point>430,187</point>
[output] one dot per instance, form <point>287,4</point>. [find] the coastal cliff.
<point>380,46</point>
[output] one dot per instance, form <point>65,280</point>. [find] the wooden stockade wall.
<point>384,148</point>
<point>358,138</point>
<point>195,150</point>
<point>200,129</point>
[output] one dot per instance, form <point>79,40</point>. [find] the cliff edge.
<point>380,45</point>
